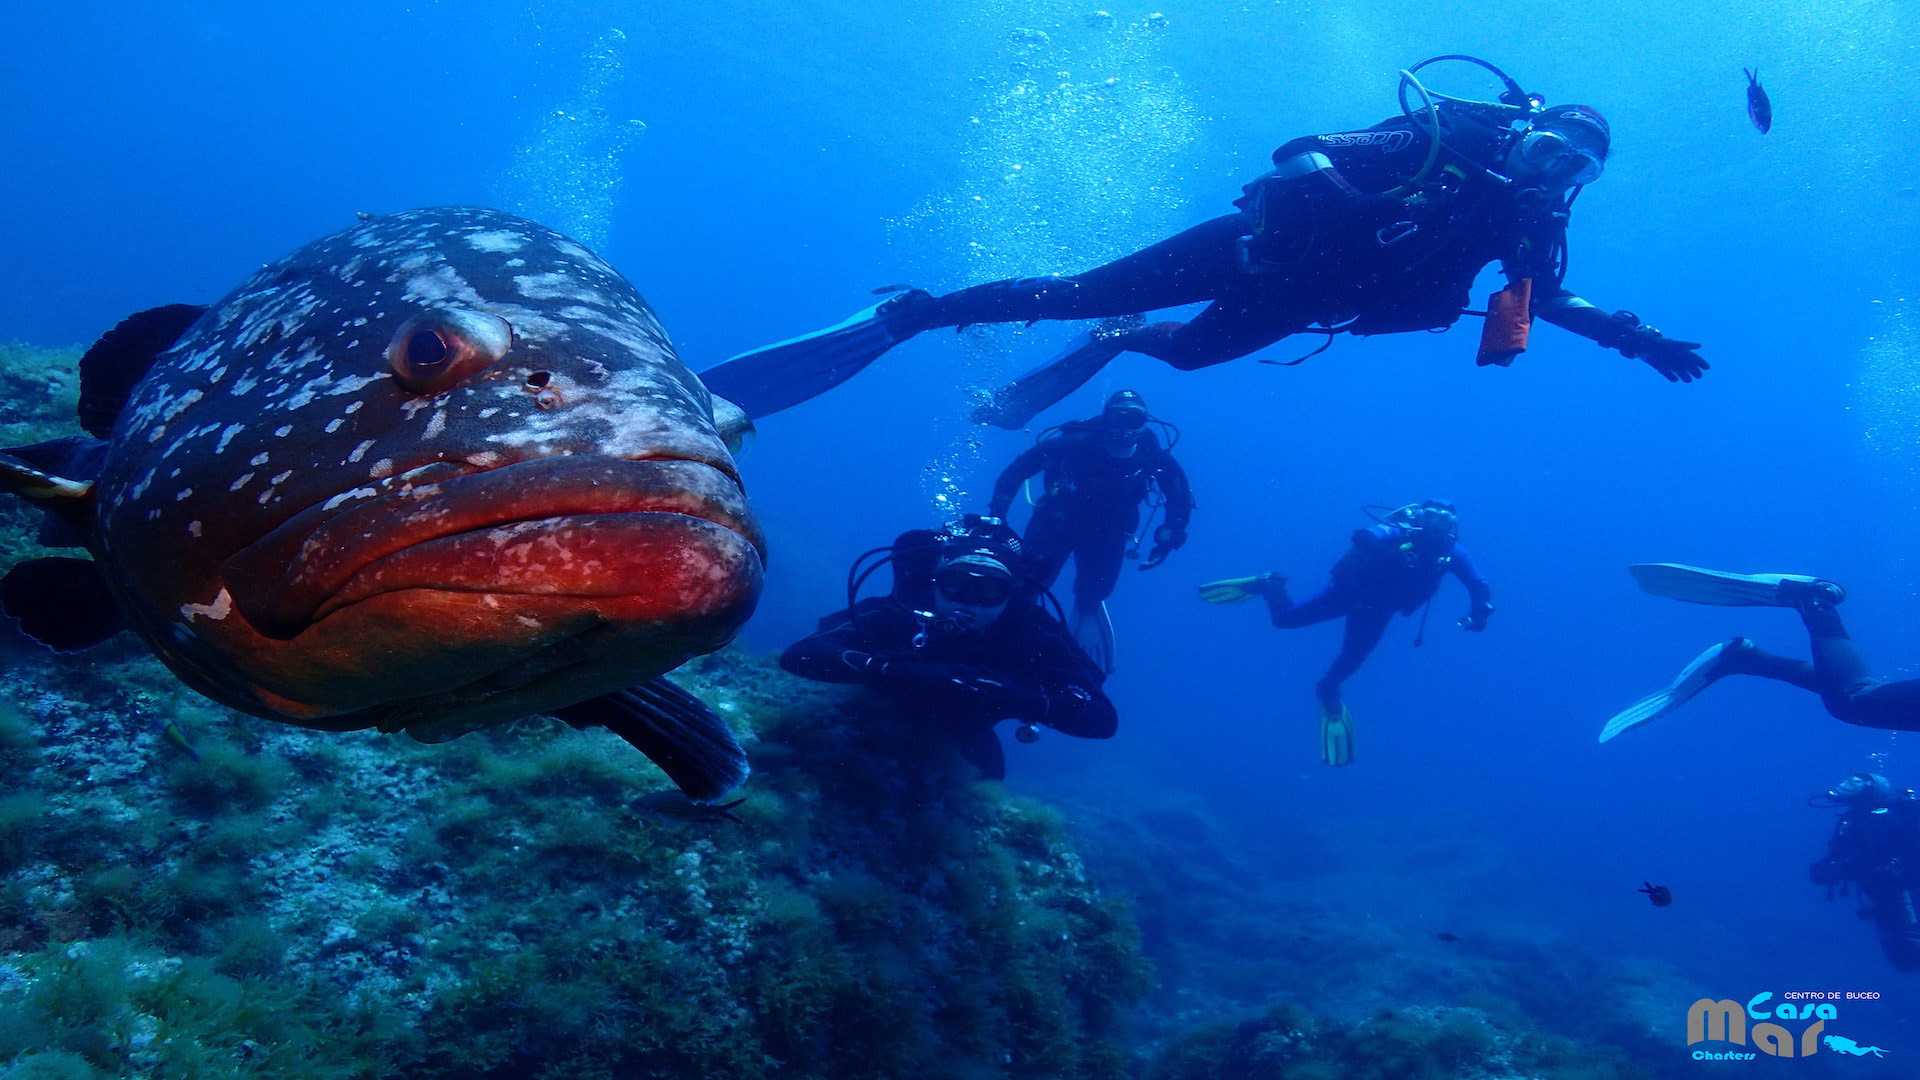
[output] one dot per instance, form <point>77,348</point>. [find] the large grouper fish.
<point>435,472</point>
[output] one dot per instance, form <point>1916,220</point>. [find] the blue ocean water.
<point>756,169</point>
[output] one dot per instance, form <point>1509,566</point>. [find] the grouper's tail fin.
<point>677,732</point>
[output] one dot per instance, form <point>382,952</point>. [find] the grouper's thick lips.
<point>287,579</point>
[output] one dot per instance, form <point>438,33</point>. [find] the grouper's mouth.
<point>671,538</point>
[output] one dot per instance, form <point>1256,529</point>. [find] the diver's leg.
<point>1329,603</point>
<point>1198,264</point>
<point>1096,564</point>
<point>1743,657</point>
<point>1228,329</point>
<point>1895,918</point>
<point>1365,626</point>
<point>1841,678</point>
<point>1047,543</point>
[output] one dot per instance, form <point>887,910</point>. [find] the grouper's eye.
<point>434,351</point>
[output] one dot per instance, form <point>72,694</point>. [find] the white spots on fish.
<point>355,407</point>
<point>574,251</point>
<point>264,496</point>
<point>333,425</point>
<point>174,474</point>
<point>485,459</point>
<point>217,374</point>
<point>140,489</point>
<point>529,324</point>
<point>184,495</point>
<point>218,610</point>
<point>243,385</point>
<point>436,425</point>
<point>489,412</point>
<point>280,479</point>
<point>414,405</point>
<point>438,286</point>
<point>381,469</point>
<point>193,529</point>
<point>554,286</point>
<point>514,264</point>
<point>360,451</point>
<point>528,621</point>
<point>258,459</point>
<point>356,493</point>
<point>283,431</point>
<point>496,241</point>
<point>227,435</point>
<point>245,478</point>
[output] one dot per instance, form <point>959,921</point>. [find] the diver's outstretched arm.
<point>1679,361</point>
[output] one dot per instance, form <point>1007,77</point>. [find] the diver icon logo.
<point>1727,1021</point>
<point>1390,141</point>
<point>1840,1044</point>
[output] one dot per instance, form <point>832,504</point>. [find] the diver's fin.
<point>1094,631</point>
<point>1695,677</point>
<point>980,745</point>
<point>1014,405</point>
<point>1233,590</point>
<point>1336,737</point>
<point>773,377</point>
<point>120,359</point>
<point>677,732</point>
<point>61,603</point>
<point>1698,585</point>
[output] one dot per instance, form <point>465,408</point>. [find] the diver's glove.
<point>1234,590</point>
<point>1166,538</point>
<point>1679,361</point>
<point>1476,620</point>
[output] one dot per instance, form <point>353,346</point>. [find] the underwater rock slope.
<point>186,891</point>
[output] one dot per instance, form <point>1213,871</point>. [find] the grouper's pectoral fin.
<point>733,423</point>
<point>677,732</point>
<point>61,603</point>
<point>58,477</point>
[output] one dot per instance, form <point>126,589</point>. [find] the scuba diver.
<point>1837,672</point>
<point>962,641</point>
<point>1393,566</point>
<point>1098,472</point>
<point>1376,231</point>
<point>1876,848</point>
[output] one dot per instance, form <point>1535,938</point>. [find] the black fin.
<point>61,603</point>
<point>120,359</point>
<point>676,731</point>
<point>981,747</point>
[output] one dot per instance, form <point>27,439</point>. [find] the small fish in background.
<point>1448,936</point>
<point>1759,106</point>
<point>171,732</point>
<point>1657,895</point>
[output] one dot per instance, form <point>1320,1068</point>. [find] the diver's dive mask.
<point>1861,789</point>
<point>972,590</point>
<point>1564,159</point>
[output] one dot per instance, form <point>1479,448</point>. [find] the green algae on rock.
<point>298,904</point>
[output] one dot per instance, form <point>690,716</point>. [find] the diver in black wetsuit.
<point>1393,566</point>
<point>1837,672</point>
<point>1098,472</point>
<point>1876,848</point>
<point>962,643</point>
<point>1376,231</point>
